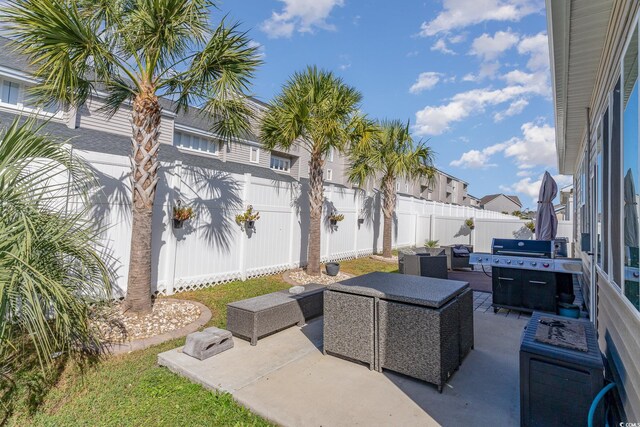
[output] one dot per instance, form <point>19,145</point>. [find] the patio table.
<point>418,326</point>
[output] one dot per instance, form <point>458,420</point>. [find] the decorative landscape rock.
<point>302,278</point>
<point>296,290</point>
<point>207,343</point>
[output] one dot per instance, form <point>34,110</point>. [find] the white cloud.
<point>412,53</point>
<point>488,69</point>
<point>515,108</point>
<point>478,159</point>
<point>536,147</point>
<point>489,48</point>
<point>531,188</point>
<point>473,159</point>
<point>261,50</point>
<point>462,13</point>
<point>538,48</point>
<point>441,46</point>
<point>425,81</point>
<point>458,38</point>
<point>434,120</point>
<point>300,15</point>
<point>345,62</point>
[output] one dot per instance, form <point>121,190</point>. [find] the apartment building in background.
<point>187,137</point>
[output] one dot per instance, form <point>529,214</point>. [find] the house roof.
<point>577,33</point>
<point>486,199</point>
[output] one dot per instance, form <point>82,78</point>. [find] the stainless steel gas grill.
<point>528,275</point>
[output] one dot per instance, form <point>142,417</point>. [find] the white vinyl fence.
<point>212,248</point>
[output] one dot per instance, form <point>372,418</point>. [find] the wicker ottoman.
<point>349,330</point>
<point>264,315</point>
<point>465,313</point>
<point>420,342</point>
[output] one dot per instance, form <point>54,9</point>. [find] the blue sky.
<point>472,76</point>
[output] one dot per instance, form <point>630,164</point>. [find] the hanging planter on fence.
<point>335,218</point>
<point>247,220</point>
<point>470,224</point>
<point>181,214</point>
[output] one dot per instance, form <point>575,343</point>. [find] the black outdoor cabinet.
<point>539,291</point>
<point>558,384</point>
<point>525,290</point>
<point>507,287</point>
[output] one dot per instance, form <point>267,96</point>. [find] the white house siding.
<point>619,337</point>
<point>618,322</point>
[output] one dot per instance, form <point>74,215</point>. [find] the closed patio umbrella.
<point>630,212</point>
<point>546,220</point>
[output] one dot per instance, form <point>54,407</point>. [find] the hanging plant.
<point>247,220</point>
<point>531,226</point>
<point>181,214</point>
<point>470,224</point>
<point>335,218</point>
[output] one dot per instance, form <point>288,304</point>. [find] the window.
<point>280,163</point>
<point>406,188</point>
<point>196,143</point>
<point>254,154</point>
<point>602,147</point>
<point>397,186</point>
<point>15,94</point>
<point>630,182</point>
<point>330,156</point>
<point>10,92</point>
<point>329,175</point>
<point>583,225</point>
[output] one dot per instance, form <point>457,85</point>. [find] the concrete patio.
<point>287,380</point>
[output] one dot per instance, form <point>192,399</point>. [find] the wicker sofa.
<point>454,261</point>
<point>423,264</point>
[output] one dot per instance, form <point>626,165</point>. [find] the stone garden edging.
<point>142,343</point>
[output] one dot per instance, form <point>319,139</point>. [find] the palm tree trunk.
<point>388,208</point>
<point>316,198</point>
<point>144,178</point>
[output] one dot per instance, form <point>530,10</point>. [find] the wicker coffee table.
<point>418,326</point>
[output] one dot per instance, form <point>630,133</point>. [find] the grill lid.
<point>528,248</point>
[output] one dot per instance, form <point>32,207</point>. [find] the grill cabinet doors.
<point>525,290</point>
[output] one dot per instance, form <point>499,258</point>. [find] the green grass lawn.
<point>132,390</point>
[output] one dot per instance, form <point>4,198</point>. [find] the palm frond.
<point>217,80</point>
<point>50,264</point>
<point>317,109</point>
<point>164,30</point>
<point>391,153</point>
<point>65,48</point>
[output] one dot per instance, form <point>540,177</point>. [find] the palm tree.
<point>389,155</point>
<point>135,51</point>
<point>320,112</point>
<point>51,270</point>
